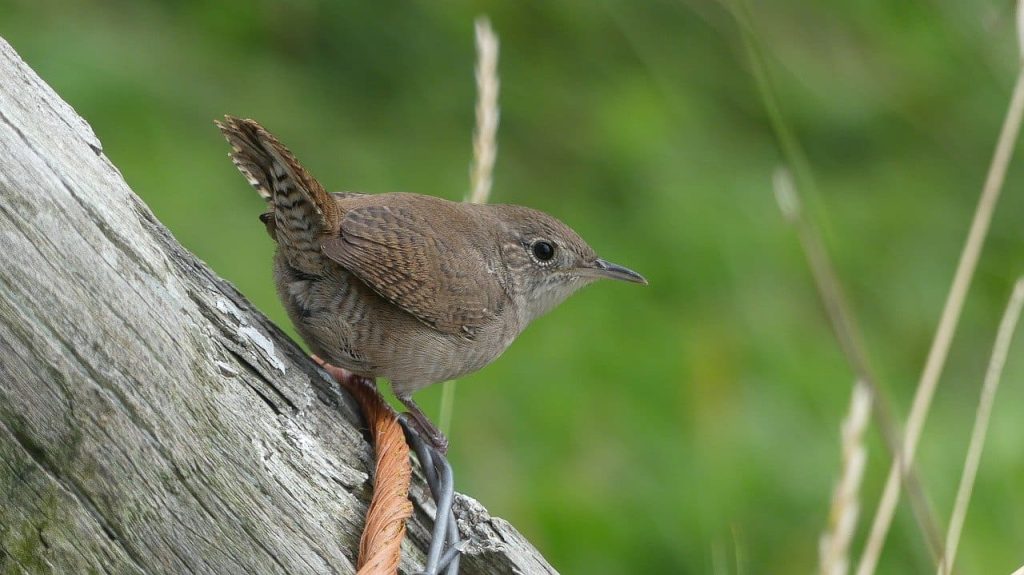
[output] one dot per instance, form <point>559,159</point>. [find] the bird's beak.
<point>605,269</point>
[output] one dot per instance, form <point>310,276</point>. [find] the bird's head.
<point>547,261</point>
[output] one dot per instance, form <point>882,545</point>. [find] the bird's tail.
<point>301,211</point>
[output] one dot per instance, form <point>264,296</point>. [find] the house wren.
<point>412,288</point>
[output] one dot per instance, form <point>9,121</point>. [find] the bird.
<point>412,288</point>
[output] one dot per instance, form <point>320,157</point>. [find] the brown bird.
<point>412,288</point>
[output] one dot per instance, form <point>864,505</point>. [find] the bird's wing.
<point>401,258</point>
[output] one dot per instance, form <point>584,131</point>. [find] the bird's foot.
<point>432,435</point>
<point>424,427</point>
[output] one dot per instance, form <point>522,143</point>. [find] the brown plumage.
<point>412,288</point>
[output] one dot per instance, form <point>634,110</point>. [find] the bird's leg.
<point>334,371</point>
<point>343,376</point>
<point>424,426</point>
<point>427,430</point>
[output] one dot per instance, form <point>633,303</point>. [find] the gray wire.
<point>440,479</point>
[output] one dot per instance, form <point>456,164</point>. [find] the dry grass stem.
<point>485,153</point>
<point>847,333</point>
<point>947,326</point>
<point>1004,338</point>
<point>485,138</point>
<point>447,406</point>
<point>738,550</point>
<point>835,542</point>
<point>1020,27</point>
<point>825,276</point>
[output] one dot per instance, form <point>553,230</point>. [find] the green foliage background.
<point>679,428</point>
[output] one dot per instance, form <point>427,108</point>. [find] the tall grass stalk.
<point>1004,338</point>
<point>834,547</point>
<point>485,153</point>
<point>485,137</point>
<point>947,326</point>
<point>843,322</point>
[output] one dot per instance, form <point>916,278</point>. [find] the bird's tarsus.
<point>426,428</point>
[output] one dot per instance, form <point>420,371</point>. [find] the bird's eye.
<point>543,250</point>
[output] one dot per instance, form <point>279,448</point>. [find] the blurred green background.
<point>681,428</point>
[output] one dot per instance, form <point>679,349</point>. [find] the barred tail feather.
<point>247,153</point>
<point>301,211</point>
